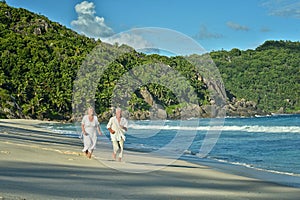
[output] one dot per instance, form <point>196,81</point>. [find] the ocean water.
<point>268,144</point>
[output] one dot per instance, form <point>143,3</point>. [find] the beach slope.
<point>38,164</point>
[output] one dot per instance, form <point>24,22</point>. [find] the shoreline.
<point>39,164</point>
<point>280,178</point>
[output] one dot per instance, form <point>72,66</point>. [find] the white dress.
<point>90,127</point>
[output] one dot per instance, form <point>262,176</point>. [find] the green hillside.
<point>40,60</point>
<point>268,75</point>
<point>38,64</point>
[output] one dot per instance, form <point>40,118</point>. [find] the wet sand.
<point>38,164</point>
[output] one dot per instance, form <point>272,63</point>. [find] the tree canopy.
<point>40,60</point>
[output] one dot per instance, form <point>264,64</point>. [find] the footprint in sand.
<point>5,152</point>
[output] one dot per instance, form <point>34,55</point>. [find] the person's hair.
<point>87,111</point>
<point>118,109</point>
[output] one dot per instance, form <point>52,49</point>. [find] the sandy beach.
<point>38,164</point>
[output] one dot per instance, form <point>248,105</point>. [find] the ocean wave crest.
<point>256,128</point>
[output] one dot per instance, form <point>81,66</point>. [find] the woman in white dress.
<point>90,126</point>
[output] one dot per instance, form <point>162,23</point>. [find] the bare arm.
<point>123,127</point>
<point>111,131</point>
<point>99,131</point>
<point>83,130</point>
<point>124,124</point>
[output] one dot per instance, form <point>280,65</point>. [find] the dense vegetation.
<point>268,75</point>
<point>40,61</point>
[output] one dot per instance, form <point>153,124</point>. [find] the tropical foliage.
<point>268,75</point>
<point>44,67</point>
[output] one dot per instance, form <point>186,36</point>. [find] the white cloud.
<point>85,8</point>
<point>134,40</point>
<point>283,8</point>
<point>157,40</point>
<point>237,27</point>
<point>89,24</point>
<point>205,34</point>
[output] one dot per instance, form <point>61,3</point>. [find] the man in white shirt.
<point>117,127</point>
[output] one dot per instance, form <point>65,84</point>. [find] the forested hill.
<point>40,60</point>
<point>268,75</point>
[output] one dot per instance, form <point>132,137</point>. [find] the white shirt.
<point>115,126</point>
<point>90,126</point>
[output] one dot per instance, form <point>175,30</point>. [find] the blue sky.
<point>213,24</point>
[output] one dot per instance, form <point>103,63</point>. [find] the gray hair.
<point>87,110</point>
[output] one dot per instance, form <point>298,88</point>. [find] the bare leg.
<point>89,154</point>
<point>121,144</point>
<point>115,149</point>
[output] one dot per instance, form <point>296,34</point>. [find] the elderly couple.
<point>117,127</point>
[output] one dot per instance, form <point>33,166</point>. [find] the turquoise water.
<point>270,143</point>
